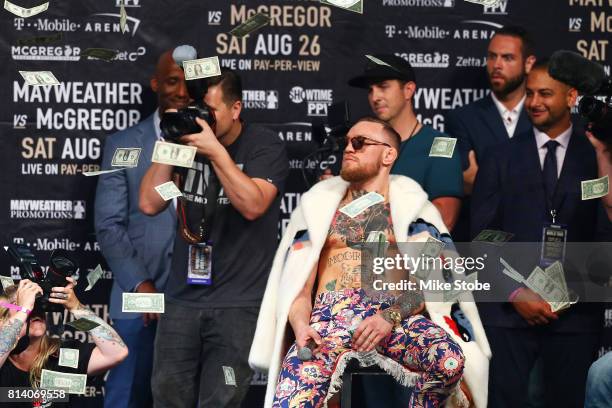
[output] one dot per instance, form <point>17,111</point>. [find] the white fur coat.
<point>291,268</point>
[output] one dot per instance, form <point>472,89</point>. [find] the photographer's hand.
<point>64,295</point>
<point>206,141</point>
<point>26,294</point>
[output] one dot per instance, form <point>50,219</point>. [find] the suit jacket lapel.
<point>570,172</point>
<point>524,123</point>
<point>493,120</point>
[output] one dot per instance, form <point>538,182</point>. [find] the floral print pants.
<point>418,344</point>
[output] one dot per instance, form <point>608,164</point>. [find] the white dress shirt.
<point>563,140</point>
<point>509,117</point>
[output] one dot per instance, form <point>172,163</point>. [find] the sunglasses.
<point>359,141</point>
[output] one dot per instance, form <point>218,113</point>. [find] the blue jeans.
<point>599,383</point>
<point>129,384</point>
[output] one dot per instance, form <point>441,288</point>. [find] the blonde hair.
<point>48,345</point>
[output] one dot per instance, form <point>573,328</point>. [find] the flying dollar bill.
<point>594,188</point>
<point>38,78</point>
<point>443,147</point>
<point>143,303</point>
<point>173,154</point>
<point>350,5</point>
<point>25,12</point>
<point>126,157</point>
<point>168,191</point>
<point>486,3</point>
<point>357,206</point>
<point>254,23</point>
<point>122,17</point>
<point>72,383</point>
<point>83,324</point>
<point>99,172</point>
<point>493,237</point>
<point>201,68</point>
<point>105,54</point>
<point>93,277</point>
<point>6,282</point>
<point>69,357</point>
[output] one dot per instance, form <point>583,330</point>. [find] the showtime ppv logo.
<point>48,209</point>
<point>317,100</point>
<point>260,99</point>
<point>500,8</point>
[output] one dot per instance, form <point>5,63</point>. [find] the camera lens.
<point>592,108</point>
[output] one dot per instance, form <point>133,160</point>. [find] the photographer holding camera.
<point>228,227</point>
<point>26,349</point>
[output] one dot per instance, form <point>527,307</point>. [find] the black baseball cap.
<point>381,67</point>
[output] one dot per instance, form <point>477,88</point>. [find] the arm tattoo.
<point>103,331</point>
<point>9,335</point>
<point>408,302</point>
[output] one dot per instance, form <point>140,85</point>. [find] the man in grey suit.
<point>137,248</point>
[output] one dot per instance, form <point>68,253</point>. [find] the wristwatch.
<point>392,317</point>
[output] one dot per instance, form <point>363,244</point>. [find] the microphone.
<point>305,353</point>
<point>576,71</point>
<point>184,53</point>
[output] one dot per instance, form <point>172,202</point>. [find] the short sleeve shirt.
<point>11,376</point>
<point>438,176</point>
<point>242,250</point>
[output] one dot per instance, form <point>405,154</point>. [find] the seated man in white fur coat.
<point>315,258</point>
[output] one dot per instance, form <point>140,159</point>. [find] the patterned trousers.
<point>418,344</point>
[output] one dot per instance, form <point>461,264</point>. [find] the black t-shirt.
<point>11,376</point>
<point>242,250</point>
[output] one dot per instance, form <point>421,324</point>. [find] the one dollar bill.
<point>39,78</point>
<point>99,172</point>
<point>93,277</point>
<point>168,191</point>
<point>143,303</point>
<point>105,54</point>
<point>350,5</point>
<point>69,357</point>
<point>25,12</point>
<point>253,23</point>
<point>201,68</point>
<point>126,157</point>
<point>173,154</point>
<point>595,188</point>
<point>72,383</point>
<point>443,147</point>
<point>357,206</point>
<point>83,324</point>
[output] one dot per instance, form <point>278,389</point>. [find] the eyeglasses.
<point>359,141</point>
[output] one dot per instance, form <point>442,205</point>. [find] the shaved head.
<point>168,82</point>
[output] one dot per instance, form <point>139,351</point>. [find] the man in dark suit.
<point>496,117</point>
<point>522,186</point>
<point>137,248</point>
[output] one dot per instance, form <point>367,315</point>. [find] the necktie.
<point>550,168</point>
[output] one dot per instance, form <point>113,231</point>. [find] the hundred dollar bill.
<point>69,357</point>
<point>350,5</point>
<point>168,191</point>
<point>254,23</point>
<point>40,40</point>
<point>173,154</point>
<point>356,207</point>
<point>72,383</point>
<point>443,147</point>
<point>594,188</point>
<point>37,78</point>
<point>105,54</point>
<point>25,12</point>
<point>93,277</point>
<point>97,173</point>
<point>6,282</point>
<point>143,303</point>
<point>126,157</point>
<point>493,237</point>
<point>83,324</point>
<point>122,17</point>
<point>201,68</point>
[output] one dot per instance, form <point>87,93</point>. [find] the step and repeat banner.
<point>293,69</point>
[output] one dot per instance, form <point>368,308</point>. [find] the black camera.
<point>183,122</point>
<point>598,112</point>
<point>60,267</point>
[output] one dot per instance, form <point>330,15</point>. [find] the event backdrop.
<point>292,70</point>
